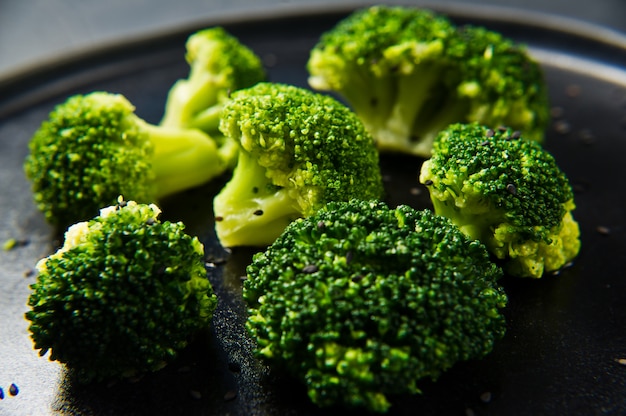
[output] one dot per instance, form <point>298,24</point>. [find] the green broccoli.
<point>361,301</point>
<point>507,192</point>
<point>94,147</point>
<point>409,73</point>
<point>219,64</point>
<point>298,151</point>
<point>122,296</point>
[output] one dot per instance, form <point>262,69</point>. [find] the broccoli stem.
<point>250,210</point>
<point>413,92</point>
<point>190,97</point>
<point>453,110</point>
<point>370,97</point>
<point>182,159</point>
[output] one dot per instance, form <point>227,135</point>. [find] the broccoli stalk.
<point>507,192</point>
<point>122,296</point>
<point>298,151</point>
<point>219,64</point>
<point>409,73</point>
<point>94,147</point>
<point>250,191</point>
<point>182,158</point>
<point>361,302</point>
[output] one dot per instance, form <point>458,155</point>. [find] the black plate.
<point>566,333</point>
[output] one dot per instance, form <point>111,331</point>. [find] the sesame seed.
<point>490,133</point>
<point>357,278</point>
<point>311,268</point>
<point>13,390</point>
<point>511,189</point>
<point>485,397</point>
<point>428,182</point>
<point>349,256</point>
<point>258,212</point>
<point>230,395</point>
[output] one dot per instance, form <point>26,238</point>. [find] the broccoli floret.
<point>298,151</point>
<point>360,302</point>
<point>409,73</point>
<point>94,147</point>
<point>507,192</point>
<point>219,64</point>
<point>122,296</point>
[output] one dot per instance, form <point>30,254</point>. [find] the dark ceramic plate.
<point>566,333</point>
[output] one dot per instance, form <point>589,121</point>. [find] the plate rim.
<point>486,13</point>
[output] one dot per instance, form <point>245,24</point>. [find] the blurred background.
<point>35,31</point>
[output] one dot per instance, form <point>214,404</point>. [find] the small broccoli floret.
<point>409,73</point>
<point>123,295</point>
<point>298,151</point>
<point>507,192</point>
<point>219,64</point>
<point>94,147</point>
<point>360,302</point>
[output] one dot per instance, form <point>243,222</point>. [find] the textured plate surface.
<point>566,333</point>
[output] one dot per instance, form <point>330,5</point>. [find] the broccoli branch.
<point>183,158</point>
<point>250,210</point>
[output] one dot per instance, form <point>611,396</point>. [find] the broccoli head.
<point>408,73</point>
<point>507,192</point>
<point>94,147</point>
<point>219,64</point>
<point>360,301</point>
<point>122,296</point>
<point>298,151</point>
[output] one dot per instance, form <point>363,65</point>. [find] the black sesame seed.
<point>485,143</point>
<point>13,390</point>
<point>258,212</point>
<point>511,189</point>
<point>150,221</point>
<point>516,134</point>
<point>603,229</point>
<point>1,393</point>
<point>219,218</point>
<point>357,278</point>
<point>562,127</point>
<point>255,190</point>
<point>321,225</point>
<point>349,256</point>
<point>485,397</point>
<point>230,395</point>
<point>428,182</point>
<point>311,268</point>
<point>557,112</point>
<point>502,129</point>
<point>490,133</point>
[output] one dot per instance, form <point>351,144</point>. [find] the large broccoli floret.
<point>360,301</point>
<point>408,73</point>
<point>94,147</point>
<point>298,151</point>
<point>507,192</point>
<point>219,64</point>
<point>123,295</point>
